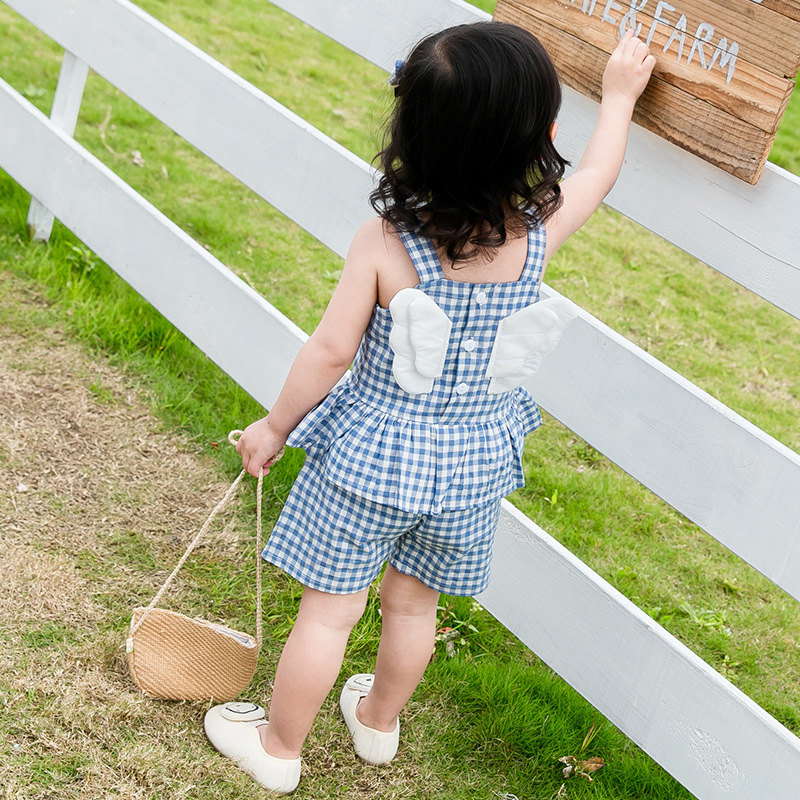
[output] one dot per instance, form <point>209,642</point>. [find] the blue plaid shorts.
<point>337,542</point>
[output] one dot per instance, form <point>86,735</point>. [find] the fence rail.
<point>678,709</point>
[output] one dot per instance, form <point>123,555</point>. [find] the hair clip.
<point>394,79</point>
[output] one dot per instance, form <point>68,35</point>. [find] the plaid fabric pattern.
<point>453,448</point>
<point>337,542</point>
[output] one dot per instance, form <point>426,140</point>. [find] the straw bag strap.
<point>222,503</point>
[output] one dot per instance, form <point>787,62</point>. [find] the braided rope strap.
<point>172,656</point>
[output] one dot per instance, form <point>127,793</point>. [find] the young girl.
<point>406,461</point>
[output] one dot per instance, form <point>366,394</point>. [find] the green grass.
<point>786,150</point>
<point>491,718</point>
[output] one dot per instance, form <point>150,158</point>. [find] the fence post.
<point>64,114</point>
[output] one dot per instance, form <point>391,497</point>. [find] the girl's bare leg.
<point>408,618</point>
<point>308,667</point>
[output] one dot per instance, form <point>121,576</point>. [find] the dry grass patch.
<point>85,467</point>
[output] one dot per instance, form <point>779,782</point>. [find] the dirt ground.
<point>82,459</point>
<point>84,463</point>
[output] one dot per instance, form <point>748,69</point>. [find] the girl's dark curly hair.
<point>468,150</point>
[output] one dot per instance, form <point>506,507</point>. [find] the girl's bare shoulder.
<point>378,242</point>
<point>381,244</point>
<point>380,238</point>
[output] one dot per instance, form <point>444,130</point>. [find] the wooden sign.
<point>723,74</point>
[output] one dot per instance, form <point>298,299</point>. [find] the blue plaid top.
<point>457,446</point>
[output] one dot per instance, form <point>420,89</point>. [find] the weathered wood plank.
<point>753,95</point>
<point>727,113</point>
<point>716,741</point>
<point>772,38</point>
<point>736,146</point>
<point>767,39</point>
<point>740,230</point>
<point>789,8</point>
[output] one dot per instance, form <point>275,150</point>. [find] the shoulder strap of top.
<point>534,264</point>
<point>426,262</point>
<point>422,253</point>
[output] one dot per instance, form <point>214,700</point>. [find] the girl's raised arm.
<point>625,78</point>
<point>327,354</point>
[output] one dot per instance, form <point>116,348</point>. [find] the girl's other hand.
<point>629,69</point>
<point>259,447</point>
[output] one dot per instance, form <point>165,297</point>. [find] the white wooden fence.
<point>712,738</point>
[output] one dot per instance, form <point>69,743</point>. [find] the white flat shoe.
<point>233,730</point>
<point>374,747</point>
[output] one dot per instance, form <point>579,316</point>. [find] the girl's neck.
<point>499,265</point>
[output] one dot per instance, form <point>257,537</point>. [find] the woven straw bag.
<point>175,657</point>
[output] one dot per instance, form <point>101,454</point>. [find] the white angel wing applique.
<point>419,338</point>
<point>523,339</point>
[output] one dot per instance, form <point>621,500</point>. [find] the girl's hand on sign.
<point>628,69</point>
